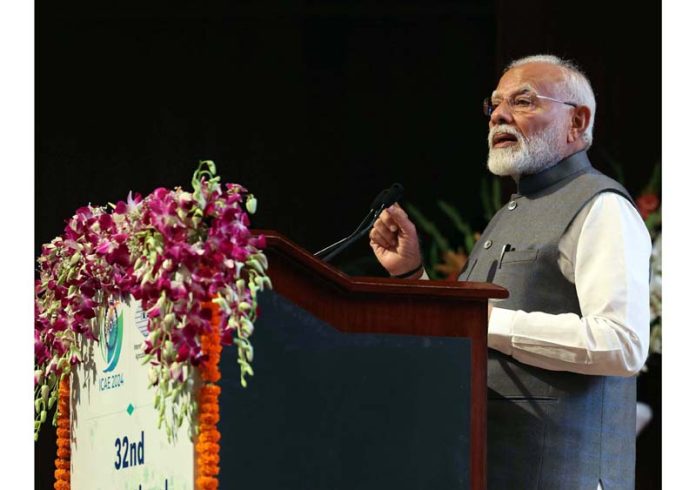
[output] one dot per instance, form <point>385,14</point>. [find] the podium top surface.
<point>302,259</point>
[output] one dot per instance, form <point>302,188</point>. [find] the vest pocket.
<point>513,256</point>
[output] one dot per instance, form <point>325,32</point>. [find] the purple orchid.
<point>172,250</point>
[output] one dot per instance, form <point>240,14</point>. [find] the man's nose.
<point>501,115</point>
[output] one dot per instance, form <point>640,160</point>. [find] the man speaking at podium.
<point>573,252</point>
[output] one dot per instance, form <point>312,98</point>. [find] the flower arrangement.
<point>173,251</point>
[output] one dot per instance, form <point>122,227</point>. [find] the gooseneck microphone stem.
<point>365,224</point>
<point>383,200</point>
<point>349,241</point>
<point>329,248</point>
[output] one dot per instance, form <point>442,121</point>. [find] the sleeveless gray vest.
<point>549,429</point>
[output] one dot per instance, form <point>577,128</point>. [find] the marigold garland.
<point>207,446</point>
<point>62,473</point>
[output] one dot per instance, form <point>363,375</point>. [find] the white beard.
<point>528,156</point>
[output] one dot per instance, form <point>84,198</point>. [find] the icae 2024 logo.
<point>111,335</point>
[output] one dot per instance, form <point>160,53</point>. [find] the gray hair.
<point>577,87</point>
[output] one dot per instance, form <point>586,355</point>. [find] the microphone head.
<point>377,202</point>
<point>393,194</point>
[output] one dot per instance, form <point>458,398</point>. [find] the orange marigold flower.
<point>206,447</point>
<point>208,418</point>
<point>210,437</point>
<point>62,463</point>
<point>206,483</point>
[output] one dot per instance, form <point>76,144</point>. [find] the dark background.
<point>315,106</point>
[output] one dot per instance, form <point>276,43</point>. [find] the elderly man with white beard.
<point>573,252</point>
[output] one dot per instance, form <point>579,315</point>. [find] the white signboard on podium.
<point>116,444</point>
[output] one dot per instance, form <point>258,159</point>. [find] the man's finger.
<point>400,218</point>
<point>380,239</point>
<point>389,233</point>
<point>389,222</point>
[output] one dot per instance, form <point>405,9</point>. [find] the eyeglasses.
<point>522,103</point>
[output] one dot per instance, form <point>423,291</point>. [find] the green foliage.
<point>654,222</point>
<point>466,239</point>
<point>429,228</point>
<point>655,184</point>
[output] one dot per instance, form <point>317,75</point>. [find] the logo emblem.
<point>141,320</point>
<point>111,336</point>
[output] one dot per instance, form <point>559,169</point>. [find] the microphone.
<point>384,199</point>
<point>392,195</point>
<point>379,199</point>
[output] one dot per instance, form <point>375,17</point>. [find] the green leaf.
<point>469,243</point>
<point>433,260</point>
<point>653,222</point>
<point>427,226</point>
<point>655,184</point>
<point>453,214</point>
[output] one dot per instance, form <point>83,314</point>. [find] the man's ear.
<point>579,123</point>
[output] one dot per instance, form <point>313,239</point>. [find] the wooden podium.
<point>360,383</point>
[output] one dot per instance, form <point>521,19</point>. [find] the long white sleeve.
<point>606,253</point>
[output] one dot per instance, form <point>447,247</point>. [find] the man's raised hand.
<point>394,240</point>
